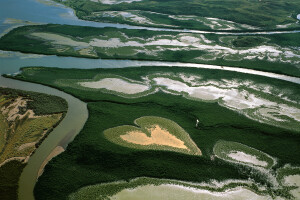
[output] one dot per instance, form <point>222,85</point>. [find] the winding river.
<point>64,133</point>
<point>34,11</point>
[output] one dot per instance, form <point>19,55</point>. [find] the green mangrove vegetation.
<point>92,159</point>
<point>26,118</point>
<point>203,15</point>
<point>273,102</point>
<point>277,53</point>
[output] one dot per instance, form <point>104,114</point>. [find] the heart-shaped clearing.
<point>155,133</point>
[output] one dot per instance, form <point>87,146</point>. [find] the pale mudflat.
<point>176,192</point>
<point>293,180</point>
<point>246,158</point>
<point>116,85</point>
<point>59,40</point>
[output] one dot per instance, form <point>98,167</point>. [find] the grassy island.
<point>276,53</point>
<point>218,15</point>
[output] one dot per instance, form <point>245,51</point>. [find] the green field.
<point>91,159</point>
<point>276,53</point>
<point>204,15</point>
<point>26,118</point>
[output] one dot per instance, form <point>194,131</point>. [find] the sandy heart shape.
<point>154,133</point>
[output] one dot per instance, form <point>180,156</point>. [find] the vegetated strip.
<point>243,12</point>
<point>272,53</point>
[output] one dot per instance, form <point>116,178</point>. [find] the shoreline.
<point>56,151</point>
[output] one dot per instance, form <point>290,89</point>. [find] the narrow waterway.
<point>10,62</point>
<point>10,65</point>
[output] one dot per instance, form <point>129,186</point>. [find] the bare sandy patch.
<point>87,52</point>
<point>247,158</point>
<point>60,40</point>
<point>114,1</point>
<point>18,21</point>
<point>293,180</point>
<point>60,50</point>
<point>153,133</point>
<point>179,192</point>
<point>58,150</point>
<point>21,159</point>
<point>13,110</point>
<point>26,145</point>
<point>158,136</point>
<point>113,43</point>
<point>117,85</point>
<point>232,95</point>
